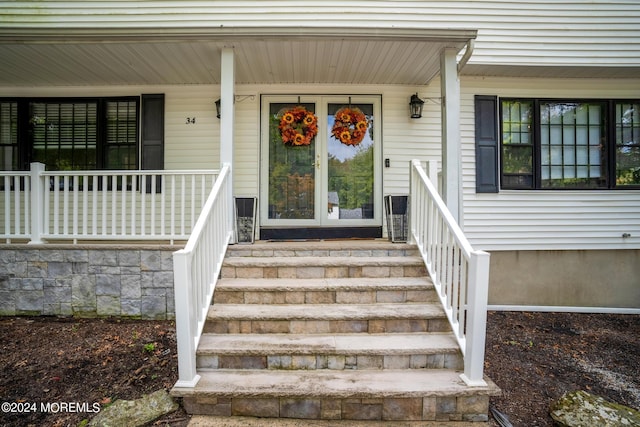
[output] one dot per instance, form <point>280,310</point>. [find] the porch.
<point>75,204</point>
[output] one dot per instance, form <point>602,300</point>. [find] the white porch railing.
<point>15,188</point>
<point>42,205</point>
<point>195,271</point>
<point>460,273</point>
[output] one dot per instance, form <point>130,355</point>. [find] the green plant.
<point>150,347</point>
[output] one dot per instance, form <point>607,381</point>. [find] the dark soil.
<point>537,357</point>
<point>533,357</point>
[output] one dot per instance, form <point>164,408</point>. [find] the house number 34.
<point>190,120</point>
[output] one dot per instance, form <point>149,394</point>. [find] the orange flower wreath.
<point>350,126</point>
<point>298,126</point>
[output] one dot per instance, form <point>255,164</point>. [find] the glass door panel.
<point>292,161</point>
<point>350,162</point>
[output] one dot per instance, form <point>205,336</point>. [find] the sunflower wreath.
<point>298,126</point>
<point>350,126</point>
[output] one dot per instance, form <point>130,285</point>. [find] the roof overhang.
<point>551,72</point>
<point>145,56</point>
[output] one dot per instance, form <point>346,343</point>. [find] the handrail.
<point>118,205</point>
<point>459,273</point>
<point>196,269</point>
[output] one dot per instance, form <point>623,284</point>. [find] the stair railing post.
<point>185,320</point>
<point>37,202</point>
<point>477,294</point>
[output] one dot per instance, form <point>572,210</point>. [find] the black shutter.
<point>153,135</point>
<point>486,144</point>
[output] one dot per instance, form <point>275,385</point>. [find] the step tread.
<point>348,344</point>
<point>322,284</point>
<point>334,245</point>
<point>216,421</point>
<point>324,311</point>
<point>332,384</point>
<point>311,261</point>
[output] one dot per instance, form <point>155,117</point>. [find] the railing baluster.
<point>182,205</point>
<point>153,199</point>
<point>143,210</point>
<point>173,205</point>
<point>7,206</point>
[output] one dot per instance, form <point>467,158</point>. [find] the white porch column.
<point>451,146</point>
<point>227,120</point>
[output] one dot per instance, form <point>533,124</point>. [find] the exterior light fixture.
<point>217,108</point>
<point>415,105</point>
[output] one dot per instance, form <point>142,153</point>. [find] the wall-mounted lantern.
<point>415,105</point>
<point>217,108</point>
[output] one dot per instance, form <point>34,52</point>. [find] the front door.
<point>320,167</point>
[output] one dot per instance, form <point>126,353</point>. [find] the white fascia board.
<point>76,35</point>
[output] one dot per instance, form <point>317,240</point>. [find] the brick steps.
<point>325,291</point>
<point>217,421</point>
<point>324,318</point>
<point>335,249</point>
<point>303,267</point>
<point>341,332</point>
<point>326,351</point>
<point>391,395</point>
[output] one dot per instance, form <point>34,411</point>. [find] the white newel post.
<point>451,157</point>
<point>227,120</point>
<point>477,295</point>
<point>185,320</point>
<point>37,202</point>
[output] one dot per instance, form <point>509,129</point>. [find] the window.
<point>517,144</point>
<point>8,135</point>
<point>122,134</point>
<point>627,149</point>
<point>64,135</point>
<point>554,144</point>
<point>69,134</point>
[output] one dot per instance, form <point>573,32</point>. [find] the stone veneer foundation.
<point>87,280</point>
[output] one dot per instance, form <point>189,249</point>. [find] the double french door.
<point>320,163</point>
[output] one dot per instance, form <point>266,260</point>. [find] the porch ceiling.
<point>409,58</point>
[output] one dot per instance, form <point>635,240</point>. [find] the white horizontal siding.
<point>191,145</point>
<point>545,220</point>
<point>515,32</point>
<point>509,220</point>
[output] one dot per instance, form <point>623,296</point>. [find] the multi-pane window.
<point>552,144</point>
<point>627,137</point>
<point>517,144</point>
<point>572,145</point>
<point>69,134</point>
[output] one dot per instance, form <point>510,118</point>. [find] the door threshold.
<point>320,233</point>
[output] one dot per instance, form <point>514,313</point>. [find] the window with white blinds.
<point>64,134</point>
<point>70,134</point>
<point>121,142</point>
<point>8,135</point>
